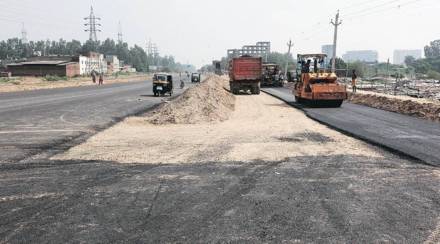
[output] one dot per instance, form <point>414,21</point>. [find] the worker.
<point>353,81</point>
<point>101,79</point>
<point>307,68</point>
<point>315,64</point>
<point>93,76</point>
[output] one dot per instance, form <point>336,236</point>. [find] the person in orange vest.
<point>353,81</point>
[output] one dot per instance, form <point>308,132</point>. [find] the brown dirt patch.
<point>425,110</point>
<point>207,102</point>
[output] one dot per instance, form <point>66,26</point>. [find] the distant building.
<point>92,62</point>
<point>261,49</point>
<point>328,50</point>
<point>367,56</point>
<point>43,66</point>
<point>400,55</point>
<point>113,64</point>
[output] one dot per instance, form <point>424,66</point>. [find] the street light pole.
<point>290,45</point>
<point>336,23</point>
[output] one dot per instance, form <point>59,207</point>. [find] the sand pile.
<point>430,111</point>
<point>207,102</point>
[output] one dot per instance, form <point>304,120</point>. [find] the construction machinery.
<point>162,84</point>
<point>272,75</point>
<point>245,74</point>
<point>317,86</point>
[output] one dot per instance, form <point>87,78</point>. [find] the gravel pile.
<point>430,111</point>
<point>207,102</point>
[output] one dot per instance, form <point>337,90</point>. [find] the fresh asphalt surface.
<point>411,136</point>
<point>47,121</point>
<point>313,199</point>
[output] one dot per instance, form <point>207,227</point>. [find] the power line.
<point>92,25</point>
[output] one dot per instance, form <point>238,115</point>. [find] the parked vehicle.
<point>272,75</point>
<point>195,77</point>
<point>245,74</point>
<point>162,84</point>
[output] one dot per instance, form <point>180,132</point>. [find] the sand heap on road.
<point>430,111</point>
<point>207,102</point>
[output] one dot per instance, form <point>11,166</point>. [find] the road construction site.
<point>209,166</point>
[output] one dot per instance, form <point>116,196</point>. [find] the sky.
<point>199,31</point>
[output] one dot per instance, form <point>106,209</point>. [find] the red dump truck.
<point>245,74</point>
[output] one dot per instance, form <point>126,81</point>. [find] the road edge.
<point>398,152</point>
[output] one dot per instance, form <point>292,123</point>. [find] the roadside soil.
<point>421,108</point>
<point>260,128</point>
<point>17,84</point>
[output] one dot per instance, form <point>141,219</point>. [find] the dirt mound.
<point>207,102</point>
<point>430,111</point>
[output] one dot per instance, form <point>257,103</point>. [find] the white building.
<point>113,64</point>
<point>368,56</point>
<point>400,55</point>
<point>93,62</point>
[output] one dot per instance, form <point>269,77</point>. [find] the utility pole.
<point>24,39</point>
<point>92,25</point>
<point>289,45</point>
<point>335,23</point>
<point>120,36</point>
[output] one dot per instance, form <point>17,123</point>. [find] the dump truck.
<point>271,75</point>
<point>245,74</point>
<point>317,86</point>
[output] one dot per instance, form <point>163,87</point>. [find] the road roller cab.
<point>317,86</point>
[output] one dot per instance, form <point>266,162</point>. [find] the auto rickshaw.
<point>162,84</point>
<point>195,77</point>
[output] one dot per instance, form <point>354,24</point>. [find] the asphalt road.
<point>411,136</point>
<point>41,122</point>
<point>305,199</point>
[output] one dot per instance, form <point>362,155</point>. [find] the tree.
<point>433,50</point>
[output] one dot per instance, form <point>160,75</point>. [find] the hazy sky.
<point>198,31</point>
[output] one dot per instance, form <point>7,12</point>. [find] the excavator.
<point>316,86</point>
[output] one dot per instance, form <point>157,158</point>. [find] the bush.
<point>54,78</point>
<point>433,75</point>
<point>4,80</point>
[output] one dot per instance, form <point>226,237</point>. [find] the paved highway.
<point>411,136</point>
<point>47,121</point>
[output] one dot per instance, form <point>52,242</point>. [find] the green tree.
<point>433,49</point>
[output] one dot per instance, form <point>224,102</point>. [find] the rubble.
<point>420,109</point>
<point>207,102</point>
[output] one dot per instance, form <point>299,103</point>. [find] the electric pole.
<point>120,36</point>
<point>24,39</point>
<point>289,45</point>
<point>92,25</point>
<point>335,23</point>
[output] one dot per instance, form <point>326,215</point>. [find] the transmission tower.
<point>23,34</point>
<point>120,36</point>
<point>92,25</point>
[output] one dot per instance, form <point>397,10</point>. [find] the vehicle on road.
<point>217,67</point>
<point>162,84</point>
<point>195,78</point>
<point>272,75</point>
<point>317,86</point>
<point>245,74</point>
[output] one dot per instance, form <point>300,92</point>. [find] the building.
<point>400,55</point>
<point>260,49</point>
<point>93,62</point>
<point>367,56</point>
<point>44,68</point>
<point>328,50</point>
<point>113,64</point>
